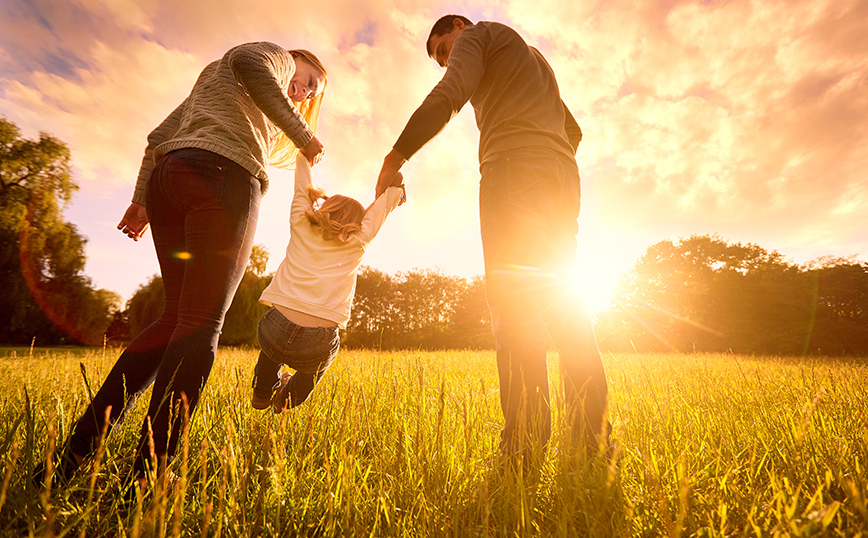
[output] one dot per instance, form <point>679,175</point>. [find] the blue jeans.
<point>529,207</point>
<point>202,209</point>
<point>307,350</point>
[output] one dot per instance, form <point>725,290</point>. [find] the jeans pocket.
<point>272,335</point>
<point>197,178</point>
<point>530,190</point>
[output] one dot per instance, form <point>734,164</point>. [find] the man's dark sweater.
<point>513,92</point>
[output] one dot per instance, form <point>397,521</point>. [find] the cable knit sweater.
<point>236,109</point>
<point>318,277</point>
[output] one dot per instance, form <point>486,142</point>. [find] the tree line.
<point>705,294</point>
<point>417,309</point>
<point>700,293</point>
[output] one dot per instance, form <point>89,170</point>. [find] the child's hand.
<point>399,182</point>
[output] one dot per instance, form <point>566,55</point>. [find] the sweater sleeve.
<point>466,66</point>
<point>574,132</point>
<point>376,215</point>
<point>258,67</point>
<point>165,131</point>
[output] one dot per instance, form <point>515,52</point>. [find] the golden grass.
<point>404,444</point>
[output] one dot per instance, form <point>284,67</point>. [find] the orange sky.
<point>741,118</point>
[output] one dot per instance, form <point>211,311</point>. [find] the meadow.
<point>404,444</point>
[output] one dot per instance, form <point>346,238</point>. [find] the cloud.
<point>739,117</point>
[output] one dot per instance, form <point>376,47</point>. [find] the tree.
<point>44,291</point>
<point>704,294</point>
<point>146,305</point>
<point>840,323</point>
<point>421,308</point>
<point>371,315</point>
<point>242,318</point>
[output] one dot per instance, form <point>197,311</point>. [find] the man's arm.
<point>466,67</point>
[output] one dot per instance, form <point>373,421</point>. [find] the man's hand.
<point>313,151</point>
<point>390,174</point>
<point>135,222</point>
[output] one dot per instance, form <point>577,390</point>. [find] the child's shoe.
<point>281,396</point>
<point>260,402</point>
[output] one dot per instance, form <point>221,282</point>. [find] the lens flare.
<point>183,255</point>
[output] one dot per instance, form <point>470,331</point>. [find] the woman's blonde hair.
<point>283,150</point>
<point>337,218</point>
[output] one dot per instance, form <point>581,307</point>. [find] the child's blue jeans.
<point>307,350</point>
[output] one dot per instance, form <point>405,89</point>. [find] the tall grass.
<point>405,444</point>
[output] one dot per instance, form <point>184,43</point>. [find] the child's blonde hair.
<point>283,151</point>
<point>337,218</point>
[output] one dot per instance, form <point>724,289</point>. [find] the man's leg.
<point>514,203</point>
<point>585,387</point>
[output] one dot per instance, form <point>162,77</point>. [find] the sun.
<point>595,284</point>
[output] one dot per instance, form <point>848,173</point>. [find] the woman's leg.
<point>220,203</point>
<point>137,366</point>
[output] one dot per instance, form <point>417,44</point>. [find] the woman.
<point>199,188</point>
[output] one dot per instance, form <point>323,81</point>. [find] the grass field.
<point>403,444</point>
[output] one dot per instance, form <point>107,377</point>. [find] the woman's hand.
<point>135,222</point>
<point>313,151</point>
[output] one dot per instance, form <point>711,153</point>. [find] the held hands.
<point>390,174</point>
<point>399,182</point>
<point>135,222</point>
<point>313,151</point>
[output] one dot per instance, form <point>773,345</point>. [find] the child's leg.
<point>300,386</point>
<point>314,349</point>
<point>266,376</point>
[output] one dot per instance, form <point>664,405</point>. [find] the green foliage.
<point>422,308</point>
<point>146,305</point>
<point>44,291</point>
<point>704,294</point>
<point>404,444</point>
<point>243,315</point>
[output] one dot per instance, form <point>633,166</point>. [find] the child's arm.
<point>376,214</point>
<point>303,180</point>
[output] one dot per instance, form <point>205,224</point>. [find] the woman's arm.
<point>260,68</point>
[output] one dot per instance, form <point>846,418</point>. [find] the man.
<point>529,205</point>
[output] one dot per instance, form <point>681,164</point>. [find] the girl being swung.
<point>312,290</point>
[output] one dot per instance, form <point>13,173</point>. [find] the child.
<point>312,290</point>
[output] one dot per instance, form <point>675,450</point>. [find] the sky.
<point>745,119</point>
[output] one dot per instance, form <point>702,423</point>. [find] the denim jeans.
<point>307,350</point>
<point>529,207</point>
<point>202,209</point>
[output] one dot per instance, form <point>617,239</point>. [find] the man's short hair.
<point>444,25</point>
